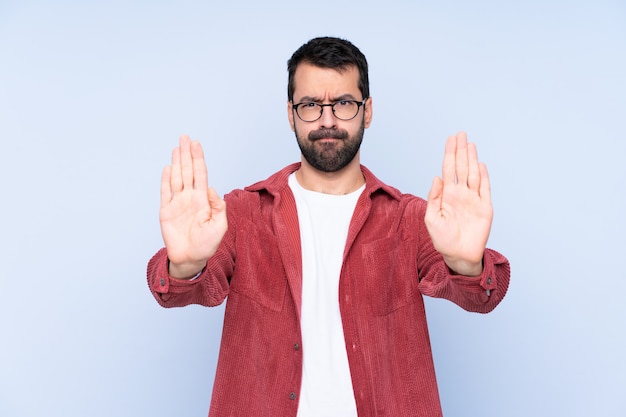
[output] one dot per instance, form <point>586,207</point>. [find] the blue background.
<point>93,97</point>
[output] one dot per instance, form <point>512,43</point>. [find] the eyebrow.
<point>310,99</point>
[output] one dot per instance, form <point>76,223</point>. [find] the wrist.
<point>462,267</point>
<point>185,270</point>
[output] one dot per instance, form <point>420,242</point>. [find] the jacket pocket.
<point>259,273</point>
<point>391,273</point>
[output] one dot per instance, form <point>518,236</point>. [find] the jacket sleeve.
<point>479,294</point>
<point>209,289</point>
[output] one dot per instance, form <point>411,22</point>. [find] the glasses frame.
<point>332,107</point>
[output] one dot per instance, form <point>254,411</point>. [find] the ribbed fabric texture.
<point>389,262</point>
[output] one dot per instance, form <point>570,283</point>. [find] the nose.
<point>328,119</point>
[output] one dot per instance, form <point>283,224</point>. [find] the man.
<point>324,266</point>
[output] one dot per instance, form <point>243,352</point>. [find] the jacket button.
<point>489,281</point>
<point>292,396</point>
<point>296,346</point>
<point>162,281</point>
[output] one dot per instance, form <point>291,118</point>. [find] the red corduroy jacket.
<point>389,262</point>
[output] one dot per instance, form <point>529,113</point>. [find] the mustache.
<point>328,133</point>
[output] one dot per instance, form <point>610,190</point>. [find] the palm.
<point>192,216</point>
<point>459,211</point>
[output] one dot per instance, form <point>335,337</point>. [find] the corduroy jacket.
<point>389,262</point>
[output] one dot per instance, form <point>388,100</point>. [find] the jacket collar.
<point>278,181</point>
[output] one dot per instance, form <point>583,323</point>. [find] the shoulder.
<point>276,182</point>
<point>406,207</point>
<point>261,197</point>
<point>385,195</point>
<point>274,185</point>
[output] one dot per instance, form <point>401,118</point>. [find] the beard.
<point>330,156</point>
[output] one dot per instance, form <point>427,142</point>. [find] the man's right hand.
<point>192,215</point>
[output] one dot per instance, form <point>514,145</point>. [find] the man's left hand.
<point>459,211</point>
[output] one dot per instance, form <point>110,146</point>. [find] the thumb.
<point>434,200</point>
<point>434,195</point>
<point>215,201</point>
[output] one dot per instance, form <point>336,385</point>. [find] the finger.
<point>200,180</point>
<point>176,180</point>
<point>485,185</point>
<point>461,158</point>
<point>448,171</point>
<point>186,164</point>
<point>473,175</point>
<point>166,190</point>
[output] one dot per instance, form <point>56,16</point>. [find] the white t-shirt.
<point>326,383</point>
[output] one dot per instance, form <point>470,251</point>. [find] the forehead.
<point>318,82</point>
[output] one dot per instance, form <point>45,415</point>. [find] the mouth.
<point>327,135</point>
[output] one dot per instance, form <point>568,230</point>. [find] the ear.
<point>290,115</point>
<point>368,113</point>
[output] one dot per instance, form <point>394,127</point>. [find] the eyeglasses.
<point>342,110</point>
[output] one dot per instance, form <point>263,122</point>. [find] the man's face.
<point>328,144</point>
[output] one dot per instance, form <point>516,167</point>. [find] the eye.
<point>309,105</point>
<point>343,103</point>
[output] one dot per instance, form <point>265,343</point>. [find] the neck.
<point>348,179</point>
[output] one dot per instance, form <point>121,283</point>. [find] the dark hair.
<point>328,52</point>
